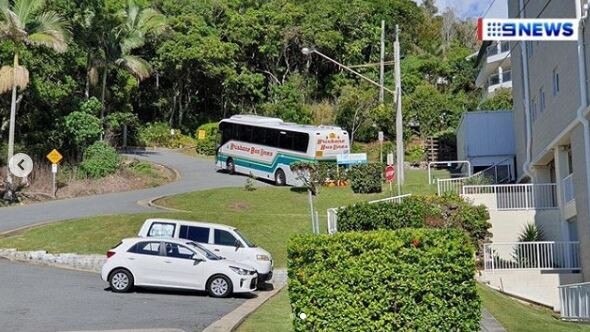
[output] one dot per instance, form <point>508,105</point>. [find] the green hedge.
<point>367,178</point>
<point>418,211</point>
<point>405,280</point>
<point>208,146</point>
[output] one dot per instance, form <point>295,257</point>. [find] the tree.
<point>353,111</point>
<point>24,23</point>
<point>135,24</point>
<point>501,100</point>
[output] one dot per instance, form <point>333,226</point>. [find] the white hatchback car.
<point>172,263</point>
<point>225,241</point>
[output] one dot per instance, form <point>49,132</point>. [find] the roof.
<point>276,123</point>
<point>194,223</point>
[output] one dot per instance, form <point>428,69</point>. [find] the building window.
<point>542,100</point>
<point>555,82</point>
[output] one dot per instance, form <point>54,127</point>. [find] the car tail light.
<point>110,253</point>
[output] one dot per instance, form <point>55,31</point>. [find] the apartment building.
<point>552,144</point>
<point>495,67</point>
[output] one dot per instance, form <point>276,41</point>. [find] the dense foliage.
<point>208,145</point>
<point>99,160</point>
<point>417,212</point>
<point>367,178</point>
<point>405,280</point>
<point>186,62</point>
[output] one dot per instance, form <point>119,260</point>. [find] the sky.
<point>474,8</point>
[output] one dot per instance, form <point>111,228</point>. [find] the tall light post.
<point>397,106</point>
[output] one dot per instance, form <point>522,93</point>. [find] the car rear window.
<point>161,229</point>
<point>146,248</point>
<point>193,233</point>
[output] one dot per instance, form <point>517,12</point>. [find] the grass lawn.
<point>517,316</point>
<point>274,315</point>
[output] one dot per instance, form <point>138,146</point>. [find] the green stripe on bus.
<point>260,166</point>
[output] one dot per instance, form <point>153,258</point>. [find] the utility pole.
<point>399,134</point>
<point>382,63</point>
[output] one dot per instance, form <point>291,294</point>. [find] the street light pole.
<point>399,129</point>
<point>396,97</point>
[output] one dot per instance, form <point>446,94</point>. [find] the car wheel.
<point>219,286</point>
<point>280,178</point>
<point>230,166</point>
<point>121,281</point>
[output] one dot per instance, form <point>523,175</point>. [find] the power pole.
<point>399,134</point>
<point>382,63</point>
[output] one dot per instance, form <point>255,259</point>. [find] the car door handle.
<point>168,262</point>
<point>215,249</point>
<point>131,258</point>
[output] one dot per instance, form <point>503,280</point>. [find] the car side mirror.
<point>237,244</point>
<point>197,260</point>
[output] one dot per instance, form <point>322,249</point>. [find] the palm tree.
<point>25,23</point>
<point>135,24</point>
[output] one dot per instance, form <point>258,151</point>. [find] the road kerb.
<point>232,320</point>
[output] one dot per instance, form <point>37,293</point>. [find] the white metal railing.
<point>568,188</point>
<point>544,255</point>
<point>574,300</point>
<point>497,173</point>
<point>333,212</point>
<point>518,196</point>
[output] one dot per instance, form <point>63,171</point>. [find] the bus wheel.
<point>230,166</point>
<point>280,178</point>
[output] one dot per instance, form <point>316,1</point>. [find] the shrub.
<point>405,280</point>
<point>415,154</point>
<point>160,134</point>
<point>366,179</point>
<point>99,160</point>
<point>418,211</point>
<point>208,146</point>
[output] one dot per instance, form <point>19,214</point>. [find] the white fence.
<point>568,188</point>
<point>518,196</point>
<point>545,255</point>
<point>574,301</point>
<point>497,173</point>
<point>333,212</point>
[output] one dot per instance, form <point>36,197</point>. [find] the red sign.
<point>389,173</point>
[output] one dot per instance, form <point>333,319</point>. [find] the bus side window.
<point>286,140</point>
<point>271,138</point>
<point>301,142</point>
<point>227,130</point>
<point>258,135</point>
<point>245,134</point>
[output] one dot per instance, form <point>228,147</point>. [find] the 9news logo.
<point>527,29</point>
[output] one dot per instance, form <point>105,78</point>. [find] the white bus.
<point>266,147</point>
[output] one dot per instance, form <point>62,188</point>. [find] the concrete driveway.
<point>38,298</point>
<point>196,174</point>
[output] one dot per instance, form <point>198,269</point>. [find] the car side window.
<point>177,251</point>
<point>146,248</point>
<point>160,229</point>
<point>224,238</point>
<point>196,234</point>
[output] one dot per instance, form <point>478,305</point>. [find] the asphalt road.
<point>43,299</point>
<point>196,174</point>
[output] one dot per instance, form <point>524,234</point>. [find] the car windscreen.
<point>208,254</point>
<point>248,242</point>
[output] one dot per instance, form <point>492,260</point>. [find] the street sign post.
<point>390,176</point>
<point>54,157</point>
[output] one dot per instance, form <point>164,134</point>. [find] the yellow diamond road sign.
<point>54,156</point>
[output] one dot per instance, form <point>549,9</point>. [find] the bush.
<point>208,146</point>
<point>366,179</point>
<point>405,280</point>
<point>415,154</point>
<point>99,160</point>
<point>418,212</point>
<point>159,134</point>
